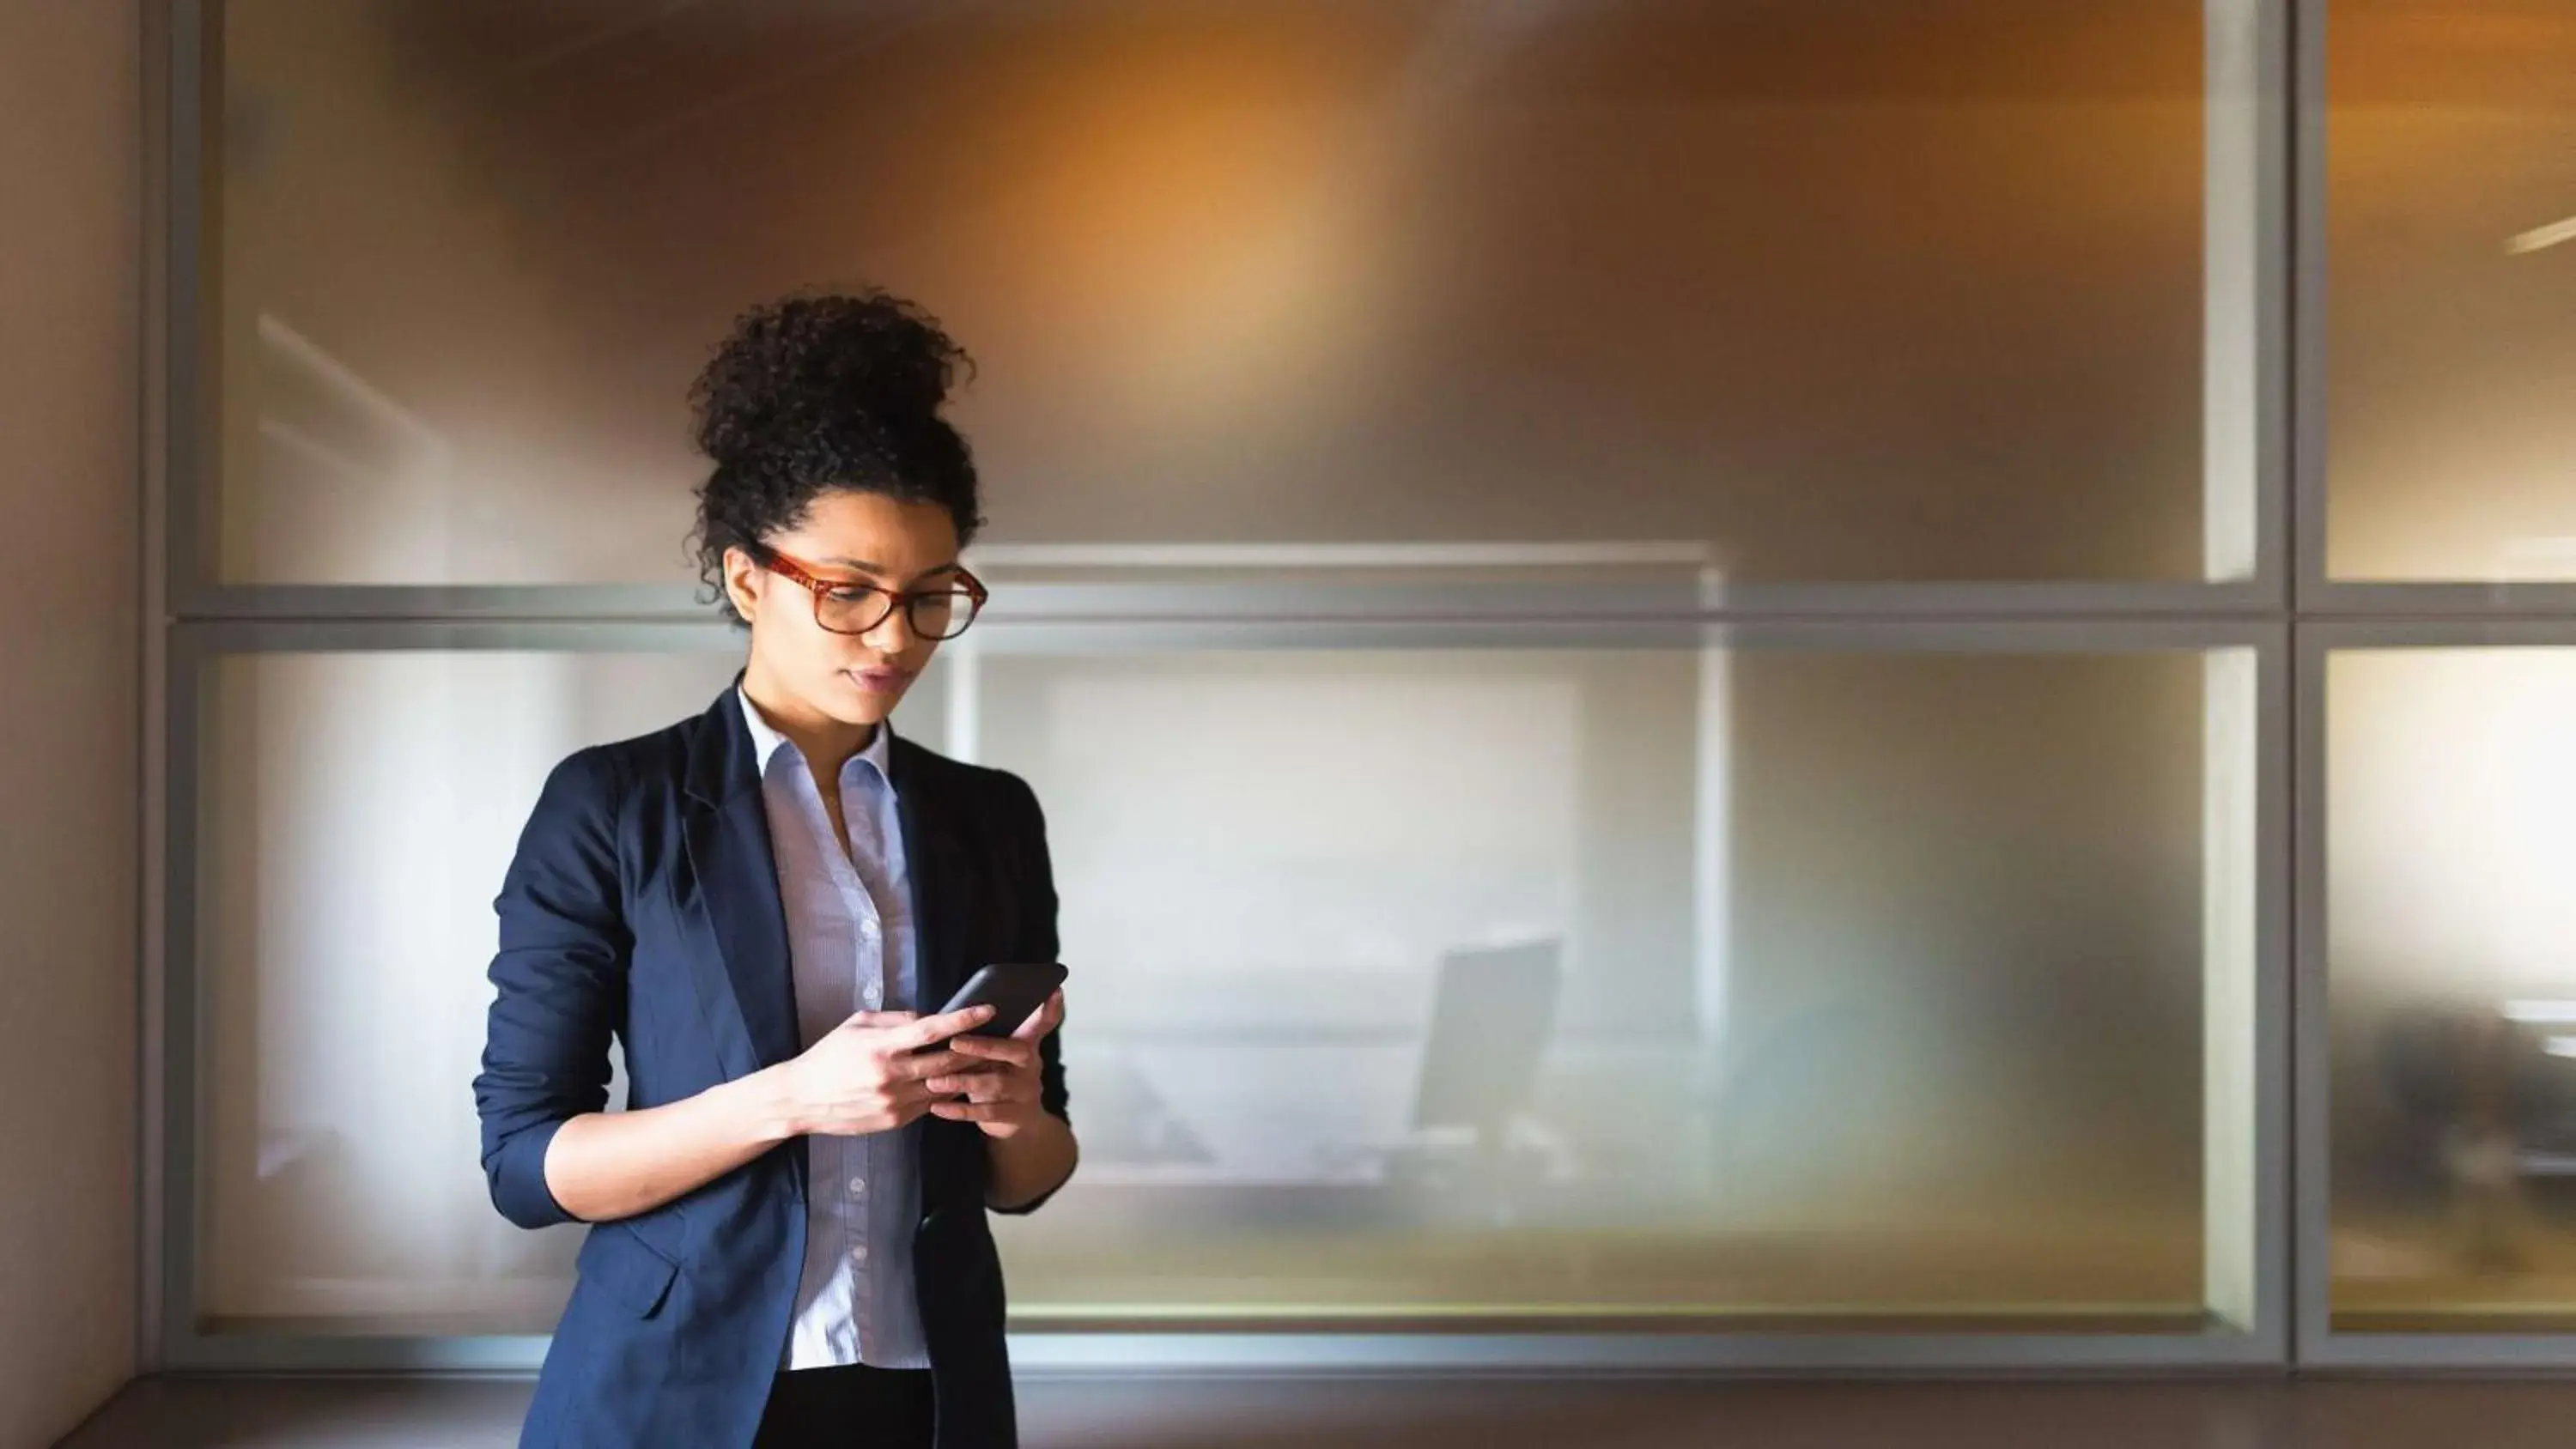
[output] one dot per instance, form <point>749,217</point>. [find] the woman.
<point>788,1241</point>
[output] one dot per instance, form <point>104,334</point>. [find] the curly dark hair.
<point>817,394</point>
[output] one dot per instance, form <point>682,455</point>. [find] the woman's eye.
<point>848,594</point>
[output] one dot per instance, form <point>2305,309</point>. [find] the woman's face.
<point>854,538</point>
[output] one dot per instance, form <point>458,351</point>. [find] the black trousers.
<point>855,1407</point>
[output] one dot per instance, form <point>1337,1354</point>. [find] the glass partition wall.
<point>1703,670</point>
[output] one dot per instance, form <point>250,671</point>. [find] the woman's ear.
<point>742,583</point>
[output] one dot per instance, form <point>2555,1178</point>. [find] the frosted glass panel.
<point>358,813</point>
<point>2452,306</point>
<point>1461,983</point>
<point>2453,1000</point>
<point>1625,983</point>
<point>1869,290</point>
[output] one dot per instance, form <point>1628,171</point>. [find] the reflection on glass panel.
<point>2452,217</point>
<point>1864,290</point>
<point>2452,940</point>
<point>1624,983</point>
<point>359,810</point>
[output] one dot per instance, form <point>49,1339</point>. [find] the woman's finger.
<point>1014,1052</point>
<point>933,1030</point>
<point>985,1087</point>
<point>924,1064</point>
<point>1042,1021</point>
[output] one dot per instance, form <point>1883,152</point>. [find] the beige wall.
<point>70,131</point>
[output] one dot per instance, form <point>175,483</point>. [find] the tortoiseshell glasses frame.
<point>854,606</point>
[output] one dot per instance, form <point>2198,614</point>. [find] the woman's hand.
<point>873,1072</point>
<point>997,1088</point>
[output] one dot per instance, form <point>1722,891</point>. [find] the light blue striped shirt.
<point>851,942</point>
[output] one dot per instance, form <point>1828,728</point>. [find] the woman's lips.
<point>882,681</point>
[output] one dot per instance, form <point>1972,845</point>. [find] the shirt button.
<point>859,1254</point>
<point>867,930</point>
<point>858,1185</point>
<point>874,996</point>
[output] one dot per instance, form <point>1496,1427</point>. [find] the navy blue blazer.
<point>644,904</point>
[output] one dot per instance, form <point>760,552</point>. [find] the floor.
<point>1278,1414</point>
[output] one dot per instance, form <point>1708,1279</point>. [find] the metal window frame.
<point>1690,1345</point>
<point>2267,64</point>
<point>2333,616</point>
<point>2248,58</point>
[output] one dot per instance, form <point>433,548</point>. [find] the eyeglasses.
<point>846,606</point>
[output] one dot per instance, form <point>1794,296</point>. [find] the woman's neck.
<point>826,743</point>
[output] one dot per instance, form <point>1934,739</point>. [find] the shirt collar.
<point>766,741</point>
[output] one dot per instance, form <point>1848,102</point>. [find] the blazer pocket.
<point>620,1265</point>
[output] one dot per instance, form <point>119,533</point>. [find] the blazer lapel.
<point>728,842</point>
<point>935,861</point>
<point>952,1153</point>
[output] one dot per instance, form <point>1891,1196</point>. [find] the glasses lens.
<point>943,615</point>
<point>850,609</point>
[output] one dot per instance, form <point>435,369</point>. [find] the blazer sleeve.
<point>1041,944</point>
<point>559,985</point>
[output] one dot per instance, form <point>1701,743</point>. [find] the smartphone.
<point>1015,990</point>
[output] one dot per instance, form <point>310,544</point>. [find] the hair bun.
<point>812,365</point>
